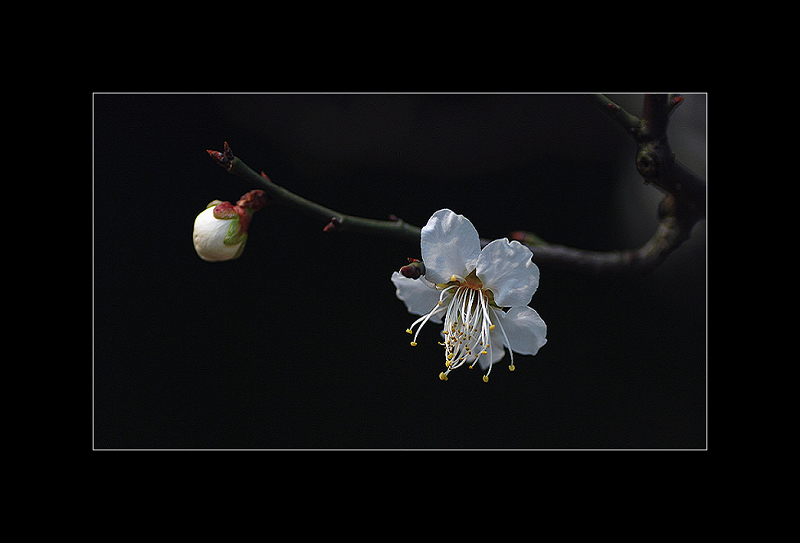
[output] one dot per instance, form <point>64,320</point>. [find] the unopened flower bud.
<point>220,232</point>
<point>414,270</point>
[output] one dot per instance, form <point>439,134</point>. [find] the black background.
<point>301,342</point>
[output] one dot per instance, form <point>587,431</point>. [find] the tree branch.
<point>336,221</point>
<point>669,235</point>
<point>683,206</point>
<point>655,160</point>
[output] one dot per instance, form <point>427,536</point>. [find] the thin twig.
<point>335,220</point>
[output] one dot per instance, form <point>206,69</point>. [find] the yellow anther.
<point>511,367</point>
<point>443,376</point>
<point>447,364</point>
<point>413,343</point>
<point>409,331</point>
<point>485,378</point>
<point>484,352</point>
<point>491,327</point>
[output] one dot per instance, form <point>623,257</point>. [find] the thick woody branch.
<point>655,160</point>
<point>669,235</point>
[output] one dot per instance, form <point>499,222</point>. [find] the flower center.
<point>468,322</point>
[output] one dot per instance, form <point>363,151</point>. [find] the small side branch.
<point>627,121</point>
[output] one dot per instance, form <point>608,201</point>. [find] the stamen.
<point>505,337</point>
<point>469,317</point>
<point>422,320</point>
<point>441,296</point>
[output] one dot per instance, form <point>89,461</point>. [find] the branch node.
<point>650,159</point>
<point>333,226</point>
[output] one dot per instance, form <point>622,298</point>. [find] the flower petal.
<point>525,329</point>
<point>419,297</point>
<point>505,268</point>
<point>450,246</point>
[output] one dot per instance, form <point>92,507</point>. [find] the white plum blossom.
<point>482,295</point>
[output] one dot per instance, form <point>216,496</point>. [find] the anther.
<point>511,367</point>
<point>413,343</point>
<point>443,376</point>
<point>485,378</point>
<point>409,331</point>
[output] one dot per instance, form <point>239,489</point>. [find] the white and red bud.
<point>220,232</point>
